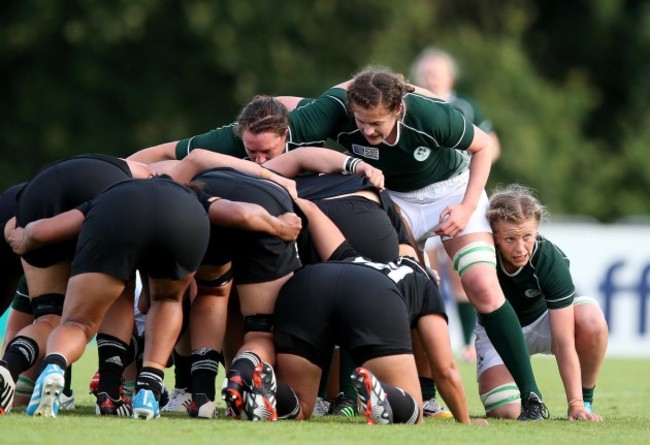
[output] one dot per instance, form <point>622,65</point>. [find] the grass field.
<point>621,397</point>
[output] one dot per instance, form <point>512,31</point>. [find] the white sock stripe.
<point>416,413</point>
<point>30,354</point>
<point>24,386</point>
<point>149,375</point>
<point>109,343</point>
<point>247,355</point>
<point>206,365</point>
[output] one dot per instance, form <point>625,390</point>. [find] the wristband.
<point>350,165</point>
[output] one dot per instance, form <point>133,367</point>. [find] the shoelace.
<point>534,409</point>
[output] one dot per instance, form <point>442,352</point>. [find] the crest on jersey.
<point>365,152</point>
<point>533,293</point>
<point>421,153</point>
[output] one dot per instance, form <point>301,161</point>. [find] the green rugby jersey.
<point>543,283</point>
<point>309,126</point>
<point>428,149</point>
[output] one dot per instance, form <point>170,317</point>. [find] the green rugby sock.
<point>324,379</point>
<point>347,367</point>
<point>504,331</point>
<point>467,316</point>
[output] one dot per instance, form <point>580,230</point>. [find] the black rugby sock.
<point>54,359</point>
<point>287,404</point>
<point>113,354</point>
<point>245,363</point>
<point>428,387</point>
<point>152,379</point>
<point>205,367</point>
<point>405,410</point>
<point>20,355</point>
<point>67,389</point>
<point>182,371</point>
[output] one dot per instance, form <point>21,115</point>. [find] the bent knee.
<point>589,318</point>
<point>503,402</point>
<point>510,411</point>
<point>482,289</point>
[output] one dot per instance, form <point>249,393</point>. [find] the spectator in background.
<point>437,71</point>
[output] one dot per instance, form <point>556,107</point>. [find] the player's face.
<point>515,242</point>
<point>263,146</point>
<point>377,124</point>
<point>435,74</point>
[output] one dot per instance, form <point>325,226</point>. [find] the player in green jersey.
<point>423,146</point>
<point>534,275</point>
<point>263,130</point>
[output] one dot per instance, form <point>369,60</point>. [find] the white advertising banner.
<point>612,264</point>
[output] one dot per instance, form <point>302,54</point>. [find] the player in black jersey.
<point>368,308</point>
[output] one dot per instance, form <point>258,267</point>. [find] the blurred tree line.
<point>566,83</point>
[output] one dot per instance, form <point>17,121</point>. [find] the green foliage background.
<point>566,83</point>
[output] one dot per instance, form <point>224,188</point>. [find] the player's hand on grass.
<point>479,421</point>
<point>580,413</point>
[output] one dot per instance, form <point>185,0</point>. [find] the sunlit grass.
<point>621,397</point>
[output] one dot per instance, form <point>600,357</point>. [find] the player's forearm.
<point>265,222</point>
<point>200,160</point>
<point>242,215</point>
<point>569,366</point>
<point>312,159</point>
<point>451,389</point>
<point>562,322</point>
<point>479,171</point>
<point>46,231</point>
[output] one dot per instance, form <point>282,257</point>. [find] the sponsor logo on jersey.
<point>365,152</point>
<point>533,293</point>
<point>421,153</point>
